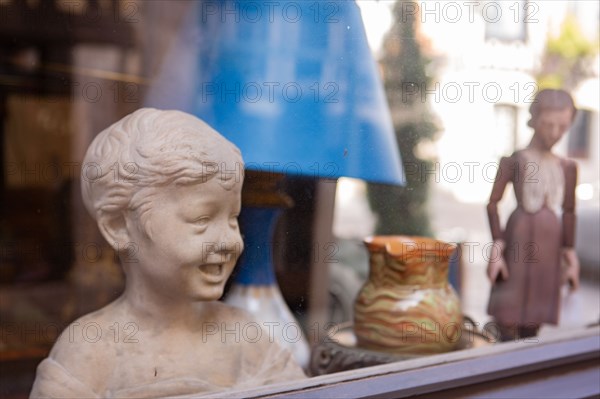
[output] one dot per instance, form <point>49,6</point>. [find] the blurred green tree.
<point>403,210</point>
<point>568,58</point>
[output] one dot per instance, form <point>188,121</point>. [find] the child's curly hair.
<point>147,149</point>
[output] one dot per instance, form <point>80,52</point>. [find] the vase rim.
<point>400,244</point>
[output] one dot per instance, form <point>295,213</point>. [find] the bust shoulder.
<point>87,348</point>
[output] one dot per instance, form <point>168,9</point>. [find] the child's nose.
<point>232,242</point>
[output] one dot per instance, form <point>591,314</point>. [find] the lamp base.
<point>266,304</point>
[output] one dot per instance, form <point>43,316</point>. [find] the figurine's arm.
<point>568,226</point>
<point>497,264</point>
<point>503,176</point>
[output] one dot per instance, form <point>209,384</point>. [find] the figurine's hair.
<point>147,149</point>
<point>550,99</point>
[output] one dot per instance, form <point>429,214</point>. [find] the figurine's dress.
<point>542,224</point>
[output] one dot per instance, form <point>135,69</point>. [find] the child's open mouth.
<point>212,270</point>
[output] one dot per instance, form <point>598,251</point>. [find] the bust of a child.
<point>166,195</point>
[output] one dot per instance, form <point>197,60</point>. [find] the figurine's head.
<point>552,113</point>
<point>165,190</point>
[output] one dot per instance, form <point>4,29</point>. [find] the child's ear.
<point>114,229</point>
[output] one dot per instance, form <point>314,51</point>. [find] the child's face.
<point>195,240</point>
<point>551,125</point>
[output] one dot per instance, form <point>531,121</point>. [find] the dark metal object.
<point>333,356</point>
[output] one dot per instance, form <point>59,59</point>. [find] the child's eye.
<point>201,222</point>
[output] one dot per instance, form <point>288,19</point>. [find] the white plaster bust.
<point>165,190</point>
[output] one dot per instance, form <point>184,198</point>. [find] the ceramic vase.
<point>407,304</point>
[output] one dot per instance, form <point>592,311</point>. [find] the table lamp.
<point>294,85</point>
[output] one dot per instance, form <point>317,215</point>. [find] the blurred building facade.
<point>489,56</point>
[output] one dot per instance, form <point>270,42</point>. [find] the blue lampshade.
<point>294,85</point>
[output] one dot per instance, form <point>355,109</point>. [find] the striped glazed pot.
<point>407,305</point>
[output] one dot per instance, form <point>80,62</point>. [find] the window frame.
<point>570,350</point>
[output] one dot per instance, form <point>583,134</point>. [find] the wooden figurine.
<point>165,190</point>
<point>526,267</point>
